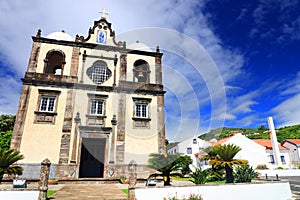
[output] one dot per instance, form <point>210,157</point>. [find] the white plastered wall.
<point>139,142</point>
<point>42,140</point>
<point>45,48</point>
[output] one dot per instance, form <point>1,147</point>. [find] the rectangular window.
<point>271,159</point>
<point>96,107</point>
<point>141,110</point>
<point>282,160</point>
<point>96,110</point>
<point>189,150</point>
<point>47,104</point>
<point>194,141</point>
<point>46,109</point>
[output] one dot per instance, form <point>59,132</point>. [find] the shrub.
<point>200,176</point>
<point>279,167</point>
<point>261,166</point>
<point>216,174</point>
<point>8,158</point>
<point>244,174</point>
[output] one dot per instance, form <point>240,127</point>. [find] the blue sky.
<point>226,63</point>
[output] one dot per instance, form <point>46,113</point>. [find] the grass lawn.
<point>217,182</point>
<point>178,178</point>
<point>50,192</point>
<point>125,191</point>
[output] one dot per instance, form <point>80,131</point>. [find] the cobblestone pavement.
<point>90,191</point>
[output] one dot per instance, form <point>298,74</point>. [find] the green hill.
<point>289,132</point>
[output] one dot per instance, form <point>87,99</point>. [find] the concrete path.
<point>90,191</point>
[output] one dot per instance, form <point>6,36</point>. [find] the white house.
<point>283,153</point>
<point>250,150</point>
<point>294,150</point>
<point>189,147</point>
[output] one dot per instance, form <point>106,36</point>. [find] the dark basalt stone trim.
<point>141,119</point>
<point>95,46</point>
<point>102,96</point>
<point>45,113</point>
<point>126,87</point>
<point>96,24</point>
<point>141,99</point>
<point>43,91</point>
<point>96,129</point>
<point>96,116</point>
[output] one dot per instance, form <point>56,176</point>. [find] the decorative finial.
<point>157,49</point>
<point>104,12</point>
<point>38,34</point>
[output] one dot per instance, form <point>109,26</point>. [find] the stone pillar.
<point>121,129</point>
<point>32,64</point>
<point>123,67</point>
<point>161,124</point>
<point>132,180</point>
<point>83,65</point>
<point>20,118</point>
<point>115,70</point>
<point>75,61</point>
<point>77,121</point>
<point>44,177</point>
<point>158,67</point>
<point>113,140</point>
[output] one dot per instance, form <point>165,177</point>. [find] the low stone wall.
<point>32,171</point>
<point>20,194</point>
<point>266,191</point>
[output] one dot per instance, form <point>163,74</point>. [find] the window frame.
<point>99,72</point>
<point>142,109</point>
<point>48,105</point>
<point>141,101</point>
<point>189,150</point>
<point>46,116</point>
<point>97,101</point>
<point>96,119</point>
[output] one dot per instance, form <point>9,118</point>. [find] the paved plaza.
<point>90,191</point>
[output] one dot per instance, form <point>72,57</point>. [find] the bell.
<point>140,75</point>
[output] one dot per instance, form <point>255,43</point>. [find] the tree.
<point>224,158</point>
<point>167,142</point>
<point>167,164</point>
<point>215,172</point>
<point>262,128</point>
<point>6,127</point>
<point>7,159</point>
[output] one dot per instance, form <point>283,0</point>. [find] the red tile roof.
<point>220,142</point>
<point>295,141</point>
<point>268,144</point>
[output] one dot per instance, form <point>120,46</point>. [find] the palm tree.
<point>166,164</point>
<point>225,154</point>
<point>7,158</point>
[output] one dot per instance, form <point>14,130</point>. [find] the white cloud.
<point>200,84</point>
<point>287,113</point>
<point>9,94</point>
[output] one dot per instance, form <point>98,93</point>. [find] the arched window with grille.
<point>99,72</point>
<point>54,62</point>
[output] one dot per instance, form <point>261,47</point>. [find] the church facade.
<point>90,105</point>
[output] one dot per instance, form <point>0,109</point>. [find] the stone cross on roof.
<point>103,12</point>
